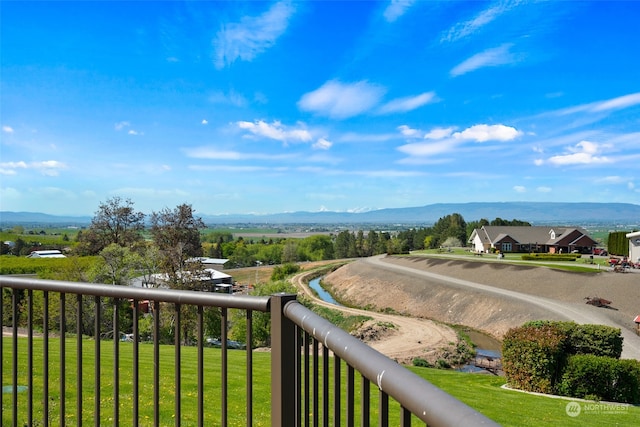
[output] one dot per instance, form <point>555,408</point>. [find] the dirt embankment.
<point>365,284</point>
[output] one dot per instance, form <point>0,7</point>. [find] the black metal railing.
<point>303,390</point>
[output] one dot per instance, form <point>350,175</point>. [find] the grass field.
<point>482,392</point>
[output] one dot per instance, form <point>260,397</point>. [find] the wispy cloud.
<point>396,9</point>
<point>214,153</point>
<point>322,144</point>
<point>276,130</point>
<point>231,98</point>
<point>494,57</point>
<point>7,129</point>
<point>252,35</point>
<point>467,28</point>
<point>439,133</point>
<point>617,103</point>
<point>121,125</point>
<point>519,189</point>
<point>409,103</point>
<point>422,149</point>
<point>47,167</point>
<point>342,100</point>
<point>124,125</point>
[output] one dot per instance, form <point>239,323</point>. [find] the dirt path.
<point>410,338</point>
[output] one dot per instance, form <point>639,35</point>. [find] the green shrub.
<point>532,357</point>
<point>280,272</point>
<point>601,378</point>
<point>599,340</point>
<point>421,363</point>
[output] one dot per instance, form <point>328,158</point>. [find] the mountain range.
<point>558,213</point>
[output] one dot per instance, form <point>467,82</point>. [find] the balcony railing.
<point>308,386</point>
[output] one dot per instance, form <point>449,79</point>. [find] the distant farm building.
<point>210,280</point>
<point>46,254</point>
<point>215,263</point>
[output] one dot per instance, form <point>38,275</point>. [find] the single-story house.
<point>543,239</point>
<point>46,254</point>
<point>634,246</point>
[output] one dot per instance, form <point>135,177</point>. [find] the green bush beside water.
<point>572,360</point>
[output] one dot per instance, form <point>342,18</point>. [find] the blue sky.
<point>267,107</point>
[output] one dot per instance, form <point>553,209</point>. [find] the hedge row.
<point>570,359</point>
<point>550,257</point>
<point>601,378</point>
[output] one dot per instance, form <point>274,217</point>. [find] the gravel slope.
<point>489,296</point>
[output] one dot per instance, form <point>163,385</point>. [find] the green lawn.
<point>482,392</point>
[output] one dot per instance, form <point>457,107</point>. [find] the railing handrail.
<point>419,396</point>
<point>245,302</point>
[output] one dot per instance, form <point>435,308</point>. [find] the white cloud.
<point>520,189</point>
<point>584,152</point>
<point>409,103</point>
<point>339,100</point>
<point>252,35</point>
<point>396,9</point>
<point>489,58</point>
<point>276,130</point>
<point>439,133</point>
<point>322,144</point>
<point>134,132</point>
<point>482,133</point>
<point>7,129</point>
<point>204,122</point>
<point>430,149</point>
<point>409,132</point>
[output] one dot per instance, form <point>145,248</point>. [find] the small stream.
<point>322,294</point>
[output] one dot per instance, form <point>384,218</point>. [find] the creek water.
<point>322,294</point>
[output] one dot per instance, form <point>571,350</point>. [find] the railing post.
<point>284,345</point>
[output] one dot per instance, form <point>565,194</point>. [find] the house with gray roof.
<point>543,239</point>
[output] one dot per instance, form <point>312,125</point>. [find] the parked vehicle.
<point>215,342</point>
<point>600,251</point>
